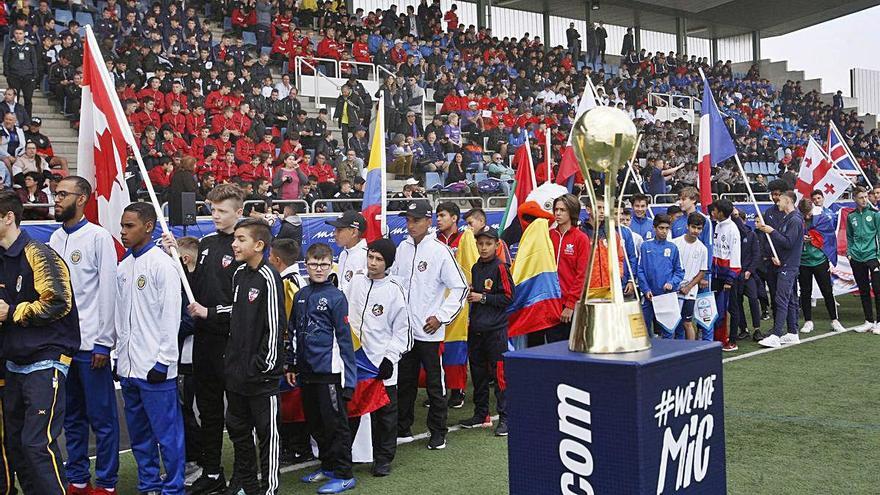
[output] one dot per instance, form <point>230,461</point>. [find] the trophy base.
<point>603,327</point>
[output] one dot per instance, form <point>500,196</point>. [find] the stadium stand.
<point>476,93</point>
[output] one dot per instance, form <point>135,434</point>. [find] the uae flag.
<point>104,140</point>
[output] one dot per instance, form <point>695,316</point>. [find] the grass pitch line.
<point>415,438</point>
<point>771,349</point>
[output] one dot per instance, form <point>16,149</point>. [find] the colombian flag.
<point>455,351</point>
<point>374,190</point>
<point>537,301</point>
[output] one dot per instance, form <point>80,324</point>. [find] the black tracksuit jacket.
<point>491,278</point>
<point>215,267</point>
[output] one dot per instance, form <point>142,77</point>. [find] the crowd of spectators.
<point>217,100</point>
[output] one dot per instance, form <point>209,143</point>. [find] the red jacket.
<point>142,119</point>
<point>324,172</point>
<point>287,147</point>
<point>222,147</point>
<point>197,148</point>
<point>572,253</point>
<point>159,177</point>
<point>218,123</point>
<point>177,122</point>
<point>156,95</point>
<point>281,46</point>
<point>225,171</point>
<point>175,145</point>
<point>239,122</point>
<point>264,147</point>
<point>361,52</point>
<point>329,48</point>
<point>245,150</point>
<point>194,124</point>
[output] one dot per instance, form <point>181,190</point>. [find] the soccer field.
<point>801,420</point>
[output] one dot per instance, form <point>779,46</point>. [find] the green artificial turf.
<point>799,421</point>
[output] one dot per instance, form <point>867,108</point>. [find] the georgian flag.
<point>817,172</point>
<point>104,139</point>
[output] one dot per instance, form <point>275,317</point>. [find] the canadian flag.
<point>104,139</point>
<point>817,172</point>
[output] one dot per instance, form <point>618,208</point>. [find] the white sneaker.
<point>876,330</point>
<point>836,326</point>
<point>808,327</point>
<point>789,338</point>
<point>191,473</point>
<point>864,327</point>
<point>771,341</point>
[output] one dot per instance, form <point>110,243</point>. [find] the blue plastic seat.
<point>63,16</point>
<point>249,38</point>
<point>84,18</point>
<point>432,179</point>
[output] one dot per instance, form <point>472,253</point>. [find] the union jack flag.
<point>840,153</point>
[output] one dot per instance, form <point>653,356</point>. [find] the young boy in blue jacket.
<point>660,271</point>
<point>322,360</point>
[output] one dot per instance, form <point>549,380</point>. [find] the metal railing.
<point>317,74</point>
<point>331,202</point>
<point>307,208</point>
<point>502,199</point>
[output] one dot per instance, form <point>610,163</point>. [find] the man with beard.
<point>90,253</point>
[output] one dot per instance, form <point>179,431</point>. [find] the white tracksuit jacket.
<point>90,254</point>
<point>378,316</point>
<point>426,271</point>
<point>148,305</point>
<point>352,262</point>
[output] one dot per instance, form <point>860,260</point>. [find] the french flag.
<point>715,144</point>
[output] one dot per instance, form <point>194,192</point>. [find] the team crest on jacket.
<point>378,309</point>
<point>227,259</point>
<point>76,257</point>
<point>322,304</point>
<point>253,294</point>
<point>141,282</point>
<point>18,284</point>
<point>348,275</point>
<point>569,248</point>
<point>423,265</point>
<point>487,284</point>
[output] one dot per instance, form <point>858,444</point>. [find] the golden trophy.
<point>603,322</point>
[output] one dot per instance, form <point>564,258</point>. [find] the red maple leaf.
<point>105,164</point>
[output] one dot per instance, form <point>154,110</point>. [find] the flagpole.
<point>549,155</point>
<point>742,174</point>
<point>848,152</point>
<point>836,166</point>
<point>380,127</point>
<point>95,51</point>
<point>531,162</point>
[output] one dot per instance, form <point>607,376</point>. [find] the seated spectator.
<point>29,162</point>
<point>10,104</point>
<point>323,171</point>
<point>350,167</point>
<point>160,176</point>
<point>359,143</point>
<point>32,192</point>
<point>400,157</point>
<point>433,157</point>
<point>345,194</point>
<point>288,178</point>
<point>457,170</point>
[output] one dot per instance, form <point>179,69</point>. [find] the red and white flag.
<point>817,172</point>
<point>104,139</point>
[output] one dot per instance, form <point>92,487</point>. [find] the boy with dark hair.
<point>660,271</point>
<point>448,214</point>
<point>322,359</point>
<point>640,223</point>
<point>41,334</point>
<point>695,261</point>
<point>490,295</point>
<point>788,238</point>
<point>148,306</point>
<point>726,267</point>
<point>862,250</point>
<point>252,360</point>
<point>380,319</point>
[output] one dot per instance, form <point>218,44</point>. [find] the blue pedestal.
<point>648,422</point>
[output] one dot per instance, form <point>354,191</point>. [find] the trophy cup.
<point>603,139</point>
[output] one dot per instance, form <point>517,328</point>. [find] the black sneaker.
<point>501,429</point>
<point>743,335</point>
<point>427,403</point>
<point>206,485</point>
<point>405,434</point>
<point>758,335</point>
<point>380,470</point>
<point>476,422</point>
<point>765,315</point>
<point>456,399</point>
<point>437,442</point>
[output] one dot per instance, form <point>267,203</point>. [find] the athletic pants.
<point>187,393</point>
<point>91,402</point>
<point>725,332</point>
<point>244,415</point>
<point>34,405</point>
<point>25,87</point>
<point>327,419</point>
<point>867,275</point>
<point>769,275</point>
<point>747,290</point>
<point>423,355</point>
<point>209,370</point>
<point>484,354</point>
<point>7,475</point>
<point>155,425</point>
<point>823,280</point>
<point>383,423</point>
<point>556,333</point>
<point>785,299</point>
